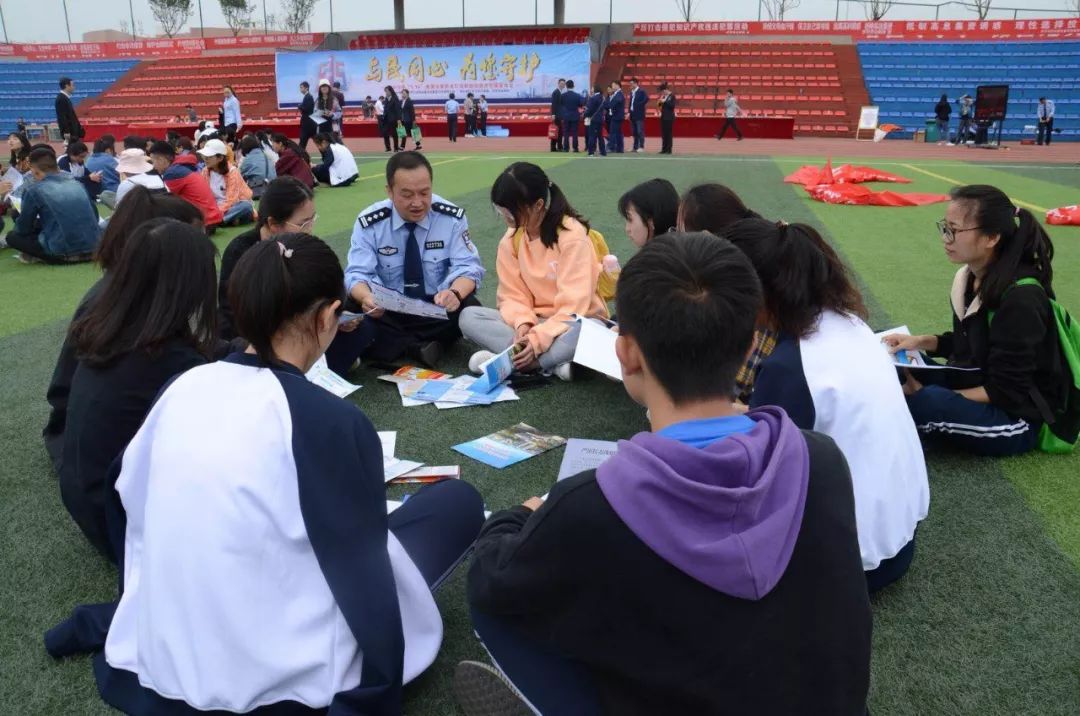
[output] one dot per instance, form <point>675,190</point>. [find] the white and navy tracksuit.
<point>259,569</point>
<point>840,381</point>
<point>1022,371</point>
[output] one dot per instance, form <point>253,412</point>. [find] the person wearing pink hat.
<point>231,192</point>
<point>136,170</point>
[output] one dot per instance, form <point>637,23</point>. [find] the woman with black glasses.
<point>1003,325</point>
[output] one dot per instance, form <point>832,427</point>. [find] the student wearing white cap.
<point>136,170</point>
<point>231,192</point>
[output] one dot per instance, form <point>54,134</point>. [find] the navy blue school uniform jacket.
<point>258,573</point>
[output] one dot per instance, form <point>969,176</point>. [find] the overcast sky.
<point>46,22</point>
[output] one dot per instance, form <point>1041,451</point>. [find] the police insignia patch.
<point>468,243</point>
<point>449,209</point>
<point>388,250</point>
<point>374,217</point>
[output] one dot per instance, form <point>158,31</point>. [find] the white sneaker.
<point>3,241</point>
<point>639,151</point>
<point>564,372</point>
<point>478,359</point>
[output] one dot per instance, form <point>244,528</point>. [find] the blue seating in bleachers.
<point>906,79</point>
<point>28,89</point>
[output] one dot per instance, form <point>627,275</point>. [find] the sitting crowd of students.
<point>720,562</point>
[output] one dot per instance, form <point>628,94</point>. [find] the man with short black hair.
<point>617,115</point>
<point>571,102</point>
<point>1046,120</point>
<point>103,162</point>
<point>556,114</point>
<point>308,125</point>
<point>66,119</point>
<point>711,565</point>
<point>639,100</point>
<point>58,223</point>
<point>74,163</point>
<point>415,243</point>
<point>182,178</point>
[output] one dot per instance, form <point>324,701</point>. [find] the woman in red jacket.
<point>293,160</point>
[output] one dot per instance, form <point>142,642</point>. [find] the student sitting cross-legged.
<point>548,270</point>
<point>138,207</point>
<point>831,374</point>
<point>152,319</point>
<point>338,167</point>
<point>261,572</point>
<point>182,177</point>
<point>1023,381</point>
<point>58,222</point>
<point>231,192</point>
<point>710,566</point>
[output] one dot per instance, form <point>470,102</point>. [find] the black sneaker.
<point>481,690</point>
<point>428,354</point>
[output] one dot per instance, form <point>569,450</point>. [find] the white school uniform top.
<point>840,381</point>
<point>344,165</point>
<point>255,520</point>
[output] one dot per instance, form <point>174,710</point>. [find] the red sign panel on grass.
<point>163,47</point>
<point>1051,29</point>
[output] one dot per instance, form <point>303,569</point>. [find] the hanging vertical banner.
<point>509,73</point>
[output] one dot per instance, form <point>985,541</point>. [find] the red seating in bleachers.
<point>451,38</point>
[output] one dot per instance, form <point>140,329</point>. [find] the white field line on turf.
<point>434,164</point>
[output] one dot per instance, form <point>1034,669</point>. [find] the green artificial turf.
<point>986,622</point>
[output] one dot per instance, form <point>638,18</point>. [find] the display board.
<point>506,73</point>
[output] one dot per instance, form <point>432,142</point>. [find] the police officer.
<point>415,243</point>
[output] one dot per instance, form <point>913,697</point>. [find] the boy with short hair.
<point>58,223</point>
<point>182,178</point>
<point>710,566</point>
<point>103,161</point>
<point>74,163</point>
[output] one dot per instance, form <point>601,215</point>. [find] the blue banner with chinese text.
<point>503,73</point>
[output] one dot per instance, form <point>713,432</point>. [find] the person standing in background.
<point>391,117</point>
<point>639,99</point>
<point>571,104</point>
<point>232,121</point>
<point>667,117</point>
<point>308,125</point>
<point>556,114</point>
<point>731,111</point>
<point>66,119</point>
<point>942,112</point>
<point>965,103</point>
<point>470,115</point>
<point>617,113</point>
<point>1046,120</point>
<point>192,116</point>
<point>340,96</point>
<point>408,118</point>
<point>482,110</point>
<point>595,110</point>
<point>368,107</point>
<point>451,118</point>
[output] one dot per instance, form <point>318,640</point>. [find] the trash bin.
<point>931,131</point>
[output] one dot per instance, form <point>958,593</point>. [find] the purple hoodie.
<point>728,514</point>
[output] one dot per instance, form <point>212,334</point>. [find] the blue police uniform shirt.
<point>377,252</point>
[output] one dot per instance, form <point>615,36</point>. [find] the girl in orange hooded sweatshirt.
<point>548,270</point>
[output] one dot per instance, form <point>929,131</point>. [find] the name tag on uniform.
<point>433,245</point>
<point>388,250</point>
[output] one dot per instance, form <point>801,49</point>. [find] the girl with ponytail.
<point>292,160</point>
<point>829,372</point>
<point>1004,329</point>
<point>257,500</point>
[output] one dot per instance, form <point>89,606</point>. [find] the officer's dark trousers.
<point>570,132</point>
<point>386,339</point>
<point>451,127</point>
<point>1045,129</point>
<point>594,135</point>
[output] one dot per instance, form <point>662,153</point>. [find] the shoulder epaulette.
<point>373,217</point>
<point>449,209</point>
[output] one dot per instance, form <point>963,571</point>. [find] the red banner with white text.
<point>157,47</point>
<point>1050,29</point>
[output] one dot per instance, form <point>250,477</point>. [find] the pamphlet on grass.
<point>449,393</point>
<point>400,303</point>
<point>494,371</point>
<point>596,349</point>
<point>321,375</point>
<point>412,372</point>
<point>394,468</point>
<point>913,360</point>
<point>582,455</point>
<point>510,446</point>
<point>429,473</point>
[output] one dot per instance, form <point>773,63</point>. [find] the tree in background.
<point>171,14</point>
<point>296,14</point>
<point>687,7</point>
<point>981,7</point>
<point>238,14</point>
<point>778,8</point>
<point>876,9</point>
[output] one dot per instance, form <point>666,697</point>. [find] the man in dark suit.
<point>571,103</point>
<point>308,126</point>
<point>667,117</point>
<point>639,99</point>
<point>66,120</point>
<point>556,114</point>
<point>595,111</point>
<point>617,112</point>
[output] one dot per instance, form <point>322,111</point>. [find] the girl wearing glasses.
<point>287,206</point>
<point>1022,379</point>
